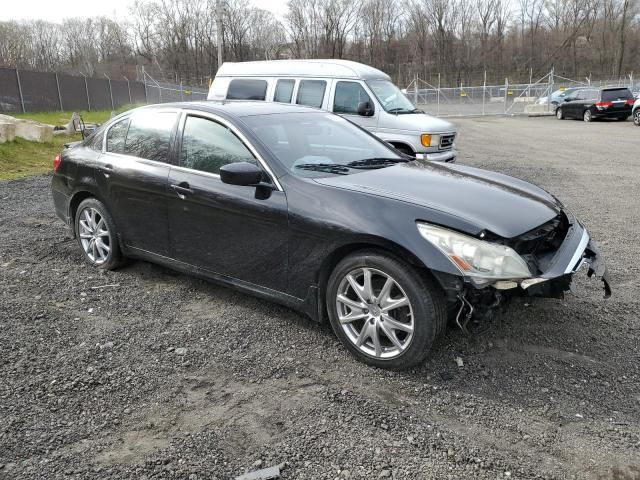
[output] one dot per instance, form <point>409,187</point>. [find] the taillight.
<point>56,162</point>
<point>604,104</point>
<point>631,101</point>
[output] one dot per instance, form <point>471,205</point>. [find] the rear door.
<point>618,100</point>
<point>132,177</point>
<point>230,230</point>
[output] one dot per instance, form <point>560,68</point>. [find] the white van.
<point>358,92</point>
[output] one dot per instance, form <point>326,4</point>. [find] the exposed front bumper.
<point>578,250</point>
<point>446,156</point>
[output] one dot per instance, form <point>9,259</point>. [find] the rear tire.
<point>97,235</point>
<point>623,118</point>
<point>383,310</point>
<point>587,116</point>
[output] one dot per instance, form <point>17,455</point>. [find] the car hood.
<point>485,200</point>
<point>418,122</point>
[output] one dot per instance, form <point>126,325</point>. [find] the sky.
<point>55,11</point>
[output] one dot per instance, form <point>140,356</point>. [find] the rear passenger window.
<point>247,89</point>
<point>311,93</point>
<point>207,146</point>
<point>616,94</point>
<point>347,97</point>
<point>116,136</point>
<point>149,135</point>
<point>284,91</point>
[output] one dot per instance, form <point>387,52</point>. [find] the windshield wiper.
<point>399,110</point>
<point>324,167</point>
<point>376,162</point>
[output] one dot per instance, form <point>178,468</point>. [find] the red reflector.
<point>604,104</point>
<point>56,163</point>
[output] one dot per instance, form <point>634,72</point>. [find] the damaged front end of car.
<point>539,263</point>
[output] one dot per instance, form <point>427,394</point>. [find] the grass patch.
<point>21,158</point>
<point>62,118</point>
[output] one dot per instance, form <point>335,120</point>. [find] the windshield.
<point>390,97</point>
<point>321,144</point>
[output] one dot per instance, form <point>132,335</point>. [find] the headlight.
<point>425,138</point>
<point>476,258</point>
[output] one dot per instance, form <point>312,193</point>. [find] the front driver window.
<point>347,97</point>
<point>208,145</point>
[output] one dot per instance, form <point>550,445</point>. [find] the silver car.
<point>363,94</point>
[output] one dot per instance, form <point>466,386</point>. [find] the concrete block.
<point>538,110</point>
<point>29,129</point>
<point>7,132</point>
<point>34,131</point>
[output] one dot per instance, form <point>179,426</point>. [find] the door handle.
<point>107,169</point>
<point>182,189</point>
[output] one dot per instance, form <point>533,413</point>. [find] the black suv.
<point>591,103</point>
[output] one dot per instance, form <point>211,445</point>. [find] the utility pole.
<point>219,11</point>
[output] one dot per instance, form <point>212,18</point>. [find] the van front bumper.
<point>447,156</point>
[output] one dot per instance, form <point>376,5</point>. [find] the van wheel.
<point>406,150</point>
<point>587,117</point>
<point>383,310</point>
<point>559,114</point>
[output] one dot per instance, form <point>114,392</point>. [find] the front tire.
<point>383,310</point>
<point>587,116</point>
<point>97,235</point>
<point>636,117</point>
<point>559,114</point>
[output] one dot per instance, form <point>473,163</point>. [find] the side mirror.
<point>241,173</point>
<point>365,109</point>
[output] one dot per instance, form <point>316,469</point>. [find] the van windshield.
<point>390,97</point>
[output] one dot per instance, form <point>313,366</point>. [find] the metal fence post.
<point>110,91</point>
<point>20,91</point>
<point>181,92</point>
<point>144,79</point>
<point>129,89</point>
<point>506,89</point>
<point>59,94</point>
<point>86,88</point>
<point>484,89</point>
<point>438,95</point>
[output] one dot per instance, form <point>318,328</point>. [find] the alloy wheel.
<point>375,313</point>
<point>636,117</point>
<point>559,114</point>
<point>94,235</point>
<point>587,116</point>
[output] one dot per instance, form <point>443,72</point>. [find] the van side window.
<point>247,89</point>
<point>311,93</point>
<point>284,91</point>
<point>347,97</point>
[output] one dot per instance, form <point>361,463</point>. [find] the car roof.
<point>319,68</point>
<point>238,108</point>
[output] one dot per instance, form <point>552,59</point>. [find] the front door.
<point>236,231</point>
<point>345,99</point>
<point>132,175</point>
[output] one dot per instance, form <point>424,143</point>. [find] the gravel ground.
<point>146,373</point>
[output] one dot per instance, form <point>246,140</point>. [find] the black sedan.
<point>591,103</point>
<point>305,208</point>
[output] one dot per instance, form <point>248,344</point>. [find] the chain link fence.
<point>504,99</point>
<point>29,91</point>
